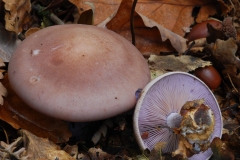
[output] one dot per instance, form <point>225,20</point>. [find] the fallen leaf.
<point>71,150</point>
<point>172,15</point>
<point>220,150</point>
<point>151,17</point>
<point>40,148</point>
<point>236,5</point>
<point>102,131</point>
<point>3,90</point>
<point>13,150</point>
<point>102,9</point>
<point>31,31</point>
<point>150,36</point>
<point>17,15</point>
<point>225,7</point>
<point>233,140</point>
<point>156,153</point>
<point>97,153</point>
<point>16,113</point>
<point>161,64</point>
<point>224,52</point>
<point>82,156</point>
<point>205,12</point>
<point>8,43</point>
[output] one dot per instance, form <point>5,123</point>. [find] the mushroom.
<point>157,112</point>
<point>78,72</point>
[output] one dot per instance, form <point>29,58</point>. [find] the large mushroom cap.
<point>78,72</point>
<point>160,105</point>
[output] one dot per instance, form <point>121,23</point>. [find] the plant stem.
<point>132,21</point>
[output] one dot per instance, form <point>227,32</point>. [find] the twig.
<point>191,45</point>
<point>234,10</point>
<point>132,21</point>
<point>230,107</point>
<point>232,83</point>
<point>48,14</point>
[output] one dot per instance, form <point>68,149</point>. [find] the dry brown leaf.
<point>151,17</point>
<point>31,31</point>
<point>8,43</point>
<point>3,90</point>
<point>16,113</point>
<point>205,12</point>
<point>82,156</point>
<point>156,153</point>
<point>102,131</point>
<point>232,136</point>
<point>97,153</point>
<point>220,150</point>
<point>226,6</point>
<point>236,4</point>
<point>172,15</point>
<point>102,9</point>
<point>224,52</point>
<point>150,36</point>
<point>175,15</point>
<point>185,63</point>
<point>13,150</point>
<point>17,15</point>
<point>3,93</point>
<point>40,148</point>
<point>71,150</point>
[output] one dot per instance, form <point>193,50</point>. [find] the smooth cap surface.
<point>78,72</point>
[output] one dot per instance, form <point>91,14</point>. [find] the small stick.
<point>48,14</point>
<point>232,83</point>
<point>132,21</point>
<point>230,107</point>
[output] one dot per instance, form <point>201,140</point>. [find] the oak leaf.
<point>40,148</point>
<point>8,43</point>
<point>18,14</point>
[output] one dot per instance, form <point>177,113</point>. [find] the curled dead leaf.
<point>224,52</point>
<point>8,43</point>
<point>40,148</point>
<point>13,150</point>
<point>3,90</point>
<point>161,64</point>
<point>18,14</point>
<point>97,153</point>
<point>220,150</point>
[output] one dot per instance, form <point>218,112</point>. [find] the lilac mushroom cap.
<point>160,105</point>
<point>78,72</point>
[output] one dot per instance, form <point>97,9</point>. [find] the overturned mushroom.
<point>78,72</point>
<point>157,114</point>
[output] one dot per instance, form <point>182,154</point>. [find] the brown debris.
<point>228,29</point>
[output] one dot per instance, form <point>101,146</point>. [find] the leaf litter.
<point>160,27</point>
